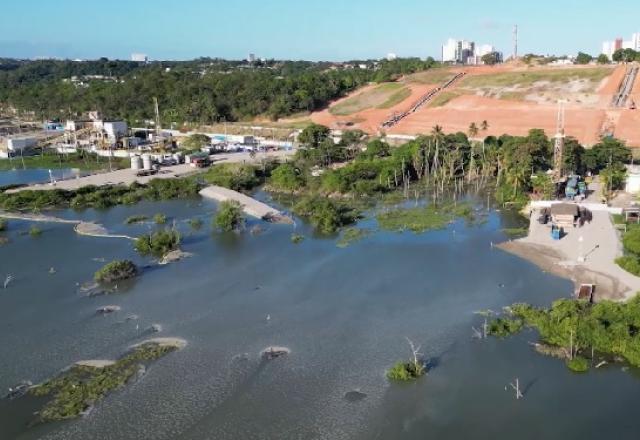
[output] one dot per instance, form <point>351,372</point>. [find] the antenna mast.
<point>558,148</point>
<point>515,42</point>
<point>158,129</point>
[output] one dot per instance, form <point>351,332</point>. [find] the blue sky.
<point>304,29</point>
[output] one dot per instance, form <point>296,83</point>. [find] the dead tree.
<point>516,388</point>
<point>7,280</point>
<point>416,357</point>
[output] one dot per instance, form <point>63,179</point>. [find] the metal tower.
<point>515,42</point>
<point>558,147</point>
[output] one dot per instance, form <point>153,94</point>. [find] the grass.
<point>383,95</point>
<point>159,243</point>
<point>352,235</point>
<point>196,224</point>
<point>422,219</point>
<point>528,78</point>
<point>443,98</point>
<point>515,232</point>
<point>297,238</point>
<point>131,220</point>
<point>431,76</point>
<point>35,231</point>
<point>396,98</point>
<point>578,364</point>
<point>78,388</point>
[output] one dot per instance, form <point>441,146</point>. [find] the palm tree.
<point>438,136</point>
<point>484,125</point>
<point>473,130</point>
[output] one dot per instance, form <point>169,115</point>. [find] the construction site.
<point>599,100</point>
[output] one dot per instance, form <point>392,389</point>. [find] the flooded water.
<point>37,175</point>
<point>344,313</point>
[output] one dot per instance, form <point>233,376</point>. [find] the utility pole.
<point>558,148</point>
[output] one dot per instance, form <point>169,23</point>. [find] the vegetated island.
<point>580,333</point>
<point>74,391</point>
<point>116,271</point>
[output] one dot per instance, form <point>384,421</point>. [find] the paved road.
<point>128,176</point>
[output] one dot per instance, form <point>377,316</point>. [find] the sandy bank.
<point>96,363</point>
<point>178,343</point>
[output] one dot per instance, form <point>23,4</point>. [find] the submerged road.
<point>128,176</point>
<point>249,205</point>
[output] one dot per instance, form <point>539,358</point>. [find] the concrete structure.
<point>449,51</point>
<point>610,47</point>
<point>250,206</point>
<point>466,52</point>
<point>251,58</point>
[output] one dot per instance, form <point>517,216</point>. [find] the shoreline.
<point>550,260</point>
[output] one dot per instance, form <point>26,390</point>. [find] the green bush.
<point>297,238</point>
<point>35,231</point>
<point>405,371</point>
<point>285,177</point>
<point>159,243</point>
<point>195,223</point>
<point>3,224</point>
<point>160,219</point>
<point>229,216</point>
<point>325,214</point>
<point>233,176</point>
<point>502,328</point>
<point>116,271</point>
<point>631,241</point>
<point>578,364</point>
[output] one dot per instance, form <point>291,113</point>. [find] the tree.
<point>313,135</point>
<point>285,177</point>
<point>491,58</point>
<point>603,59</point>
<point>473,130</point>
<point>484,126</point>
<point>196,141</point>
<point>116,271</point>
<point>608,152</point>
<point>583,58</point>
<point>625,55</point>
<point>229,216</point>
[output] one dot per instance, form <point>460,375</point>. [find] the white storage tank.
<point>136,162</point>
<point>146,161</point>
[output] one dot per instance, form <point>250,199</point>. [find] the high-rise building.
<point>465,52</point>
<point>610,47</point>
<point>449,51</point>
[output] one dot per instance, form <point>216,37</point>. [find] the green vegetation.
<point>286,178</point>
<point>406,371</point>
<point>631,244</point>
<point>626,55</point>
<point>35,231</point>
<point>443,98</point>
<point>78,388</point>
<point>325,214</point>
<point>578,364</point>
<point>116,271</point>
<point>238,177</point>
<point>352,235</point>
<point>159,243</point>
<point>196,142</point>
<point>399,96</point>
<point>431,76</point>
<point>100,197</point>
<point>607,328</point>
<point>196,224</point>
<point>234,90</point>
<point>160,219</point>
<point>423,219</point>
<point>229,216</point>
<point>503,327</point>
<point>529,77</point>
<point>3,224</point>
<point>515,232</point>
<point>50,160</point>
<point>297,238</point>
<point>583,58</point>
<point>382,96</point>
<point>136,219</point>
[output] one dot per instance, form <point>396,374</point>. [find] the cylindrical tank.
<point>136,162</point>
<point>146,161</point>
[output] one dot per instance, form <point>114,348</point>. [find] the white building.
<point>113,129</point>
<point>632,184</point>
<point>391,56</point>
<point>449,51</point>
<point>484,49</point>
<point>610,47</point>
<point>139,57</point>
<point>251,58</point>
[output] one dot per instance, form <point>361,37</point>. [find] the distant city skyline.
<point>332,30</point>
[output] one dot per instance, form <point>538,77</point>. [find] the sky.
<point>332,30</point>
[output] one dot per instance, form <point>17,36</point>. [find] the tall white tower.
<point>515,42</point>
<point>558,147</point>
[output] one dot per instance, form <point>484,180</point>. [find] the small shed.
<point>564,214</point>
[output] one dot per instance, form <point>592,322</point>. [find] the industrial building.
<point>139,57</point>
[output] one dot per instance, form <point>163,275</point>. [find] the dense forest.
<point>199,91</point>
